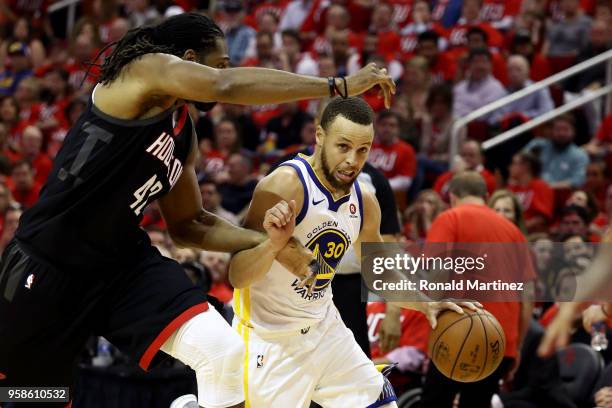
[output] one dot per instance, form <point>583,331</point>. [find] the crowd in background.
<point>448,57</point>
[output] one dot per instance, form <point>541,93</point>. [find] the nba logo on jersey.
<point>29,281</point>
<point>260,360</point>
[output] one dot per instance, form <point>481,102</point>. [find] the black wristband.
<point>331,82</point>
<point>345,94</point>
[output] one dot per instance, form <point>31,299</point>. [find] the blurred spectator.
<point>470,158</point>
<point>285,128</point>
<point>601,144</point>
<point>238,35</point>
<point>563,163</point>
<point>415,86</point>
<point>22,32</point>
<point>31,150</point>
<point>603,12</point>
<point>106,13</point>
<point>500,13</point>
<point>11,221</point>
<point>585,200</point>
<point>211,200</point>
<point>160,240</point>
<point>594,77</point>
<point>446,12</point>
<point>419,216</point>
<point>227,141</point>
<point>543,250</point>
<point>435,130</point>
<point>522,44</point>
<point>596,182</point>
<point>217,263</point>
<point>299,62</point>
<point>141,12</point>
<point>341,52</point>
<point>567,37</point>
<point>391,155</point>
<point>71,113</point>
<point>265,56</point>
<point>534,195</point>
<point>421,21</point>
<point>9,116</point>
<point>238,189</point>
<point>27,95</point>
<point>6,202</point>
<point>477,38</point>
<point>506,204</point>
<point>295,14</point>
<point>480,88</point>
<point>118,28</point>
<point>55,95</point>
<point>370,49</point>
<point>26,188</point>
<point>441,66</point>
<point>88,28</point>
<point>383,25</point>
<point>411,352</point>
<point>470,19</point>
<point>6,150</point>
<point>20,67</point>
<point>529,106</point>
<point>574,221</point>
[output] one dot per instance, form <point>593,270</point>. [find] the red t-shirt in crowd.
<point>443,181</point>
<point>536,198</point>
<point>480,224</point>
<point>409,35</point>
<point>495,10</point>
<point>604,133</point>
<point>444,69</point>
<point>28,198</point>
<point>396,159</point>
<point>414,328</point>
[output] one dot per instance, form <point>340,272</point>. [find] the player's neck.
<point>469,200</point>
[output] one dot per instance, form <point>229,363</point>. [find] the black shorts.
<point>47,315</point>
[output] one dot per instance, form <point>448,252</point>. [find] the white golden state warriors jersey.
<point>328,228</point>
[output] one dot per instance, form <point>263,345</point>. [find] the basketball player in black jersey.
<point>80,265</point>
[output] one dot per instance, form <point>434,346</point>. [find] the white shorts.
<point>322,363</point>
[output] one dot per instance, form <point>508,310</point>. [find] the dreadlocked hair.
<point>172,36</point>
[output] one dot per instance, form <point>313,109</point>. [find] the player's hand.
<point>299,261</point>
<point>368,77</point>
<point>558,331</point>
<point>390,329</point>
<point>591,315</point>
<point>433,309</point>
<point>603,397</point>
<point>279,223</point>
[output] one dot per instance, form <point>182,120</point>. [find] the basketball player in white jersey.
<point>298,349</point>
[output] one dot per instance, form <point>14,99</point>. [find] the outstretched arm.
<point>190,225</point>
<point>170,75</point>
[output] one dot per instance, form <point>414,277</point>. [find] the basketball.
<point>467,347</point>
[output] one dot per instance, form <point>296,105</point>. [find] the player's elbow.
<point>180,235</point>
<point>236,278</point>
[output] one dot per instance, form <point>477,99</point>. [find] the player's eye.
<point>363,150</point>
<point>343,147</point>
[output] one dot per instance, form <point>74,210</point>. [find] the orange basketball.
<point>467,347</point>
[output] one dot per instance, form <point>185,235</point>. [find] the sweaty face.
<point>344,150</point>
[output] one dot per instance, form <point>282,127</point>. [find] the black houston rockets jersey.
<point>328,227</point>
<point>105,174</point>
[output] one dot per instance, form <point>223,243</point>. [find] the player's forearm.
<point>212,233</point>
<point>250,265</point>
<point>257,86</point>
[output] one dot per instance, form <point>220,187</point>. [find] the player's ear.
<point>189,55</point>
<point>319,136</point>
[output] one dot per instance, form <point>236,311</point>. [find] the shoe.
<point>185,401</point>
